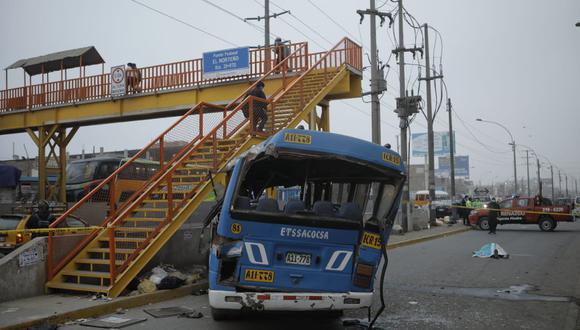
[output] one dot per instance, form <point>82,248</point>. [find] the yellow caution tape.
<point>511,210</point>
<point>56,231</point>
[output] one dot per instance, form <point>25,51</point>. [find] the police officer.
<point>494,207</point>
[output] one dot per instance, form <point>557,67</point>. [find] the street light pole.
<point>528,169</point>
<point>451,158</point>
<point>513,143</point>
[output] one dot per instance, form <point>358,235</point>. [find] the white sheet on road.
<point>491,250</point>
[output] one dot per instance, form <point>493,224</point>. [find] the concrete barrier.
<point>419,218</point>
<point>23,271</point>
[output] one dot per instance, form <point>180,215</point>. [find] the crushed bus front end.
<point>319,249</point>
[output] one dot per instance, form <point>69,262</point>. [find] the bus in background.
<point>322,248</point>
<point>84,175</point>
<point>422,197</point>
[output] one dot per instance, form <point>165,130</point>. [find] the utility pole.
<point>559,183</point>
<point>403,119</point>
<point>406,106</point>
<point>378,84</point>
<point>515,173</point>
<point>566,185</point>
<point>430,119</point>
<point>266,19</point>
<point>539,178</point>
<point>452,158</point>
<point>528,168</point>
<point>552,175</point>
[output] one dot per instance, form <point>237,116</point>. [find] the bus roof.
<point>335,144</point>
<point>426,192</point>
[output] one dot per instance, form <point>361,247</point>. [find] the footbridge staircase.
<point>202,141</point>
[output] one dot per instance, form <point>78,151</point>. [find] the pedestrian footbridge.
<point>207,136</point>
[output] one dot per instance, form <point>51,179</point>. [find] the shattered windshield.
<point>322,187</point>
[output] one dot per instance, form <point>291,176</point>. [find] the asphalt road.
<point>438,284</point>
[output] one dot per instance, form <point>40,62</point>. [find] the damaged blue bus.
<point>320,248</point>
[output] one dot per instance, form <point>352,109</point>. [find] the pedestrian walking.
<point>281,51</point>
<point>493,212</point>
<point>260,116</point>
<point>133,79</point>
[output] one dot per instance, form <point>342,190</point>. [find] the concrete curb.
<point>426,238</point>
<point>112,306</point>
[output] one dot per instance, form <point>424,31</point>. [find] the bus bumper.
<point>289,301</point>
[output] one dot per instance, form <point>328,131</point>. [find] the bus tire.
<point>483,223</point>
<point>546,224</point>
<point>224,314</point>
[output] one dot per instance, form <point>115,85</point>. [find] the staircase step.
<point>106,250</point>
<point>135,229</point>
<point>144,219</point>
<point>77,287</point>
<point>97,261</point>
<point>86,273</point>
<point>150,209</point>
<point>124,239</point>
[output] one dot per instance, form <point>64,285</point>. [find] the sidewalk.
<point>59,308</point>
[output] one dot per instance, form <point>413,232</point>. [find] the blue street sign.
<point>226,63</point>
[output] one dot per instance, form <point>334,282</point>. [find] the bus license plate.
<point>256,275</point>
<point>298,258</point>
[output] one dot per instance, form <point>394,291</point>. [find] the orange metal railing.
<point>204,126</point>
<point>153,79</point>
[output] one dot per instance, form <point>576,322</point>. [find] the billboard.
<point>226,63</point>
<point>461,166</point>
<point>440,144</point>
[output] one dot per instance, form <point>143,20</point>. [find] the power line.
<point>257,27</point>
<point>303,23</point>
<point>184,23</point>
<point>332,19</point>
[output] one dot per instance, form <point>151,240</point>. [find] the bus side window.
<point>128,172</point>
<point>104,170</point>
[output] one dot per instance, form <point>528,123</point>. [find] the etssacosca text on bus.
<point>319,250</point>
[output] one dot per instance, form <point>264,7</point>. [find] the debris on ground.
<point>158,274</point>
<point>168,311</point>
<point>146,286</point>
<point>170,282</point>
<point>199,292</point>
<point>101,296</point>
<point>192,315</point>
<point>491,250</point>
<point>166,277</point>
<point>112,322</point>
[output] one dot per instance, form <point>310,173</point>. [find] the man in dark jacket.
<point>493,206</point>
<point>259,108</point>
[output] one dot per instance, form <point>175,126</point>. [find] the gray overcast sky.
<point>516,62</point>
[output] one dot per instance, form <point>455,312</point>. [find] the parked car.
<point>17,225</point>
